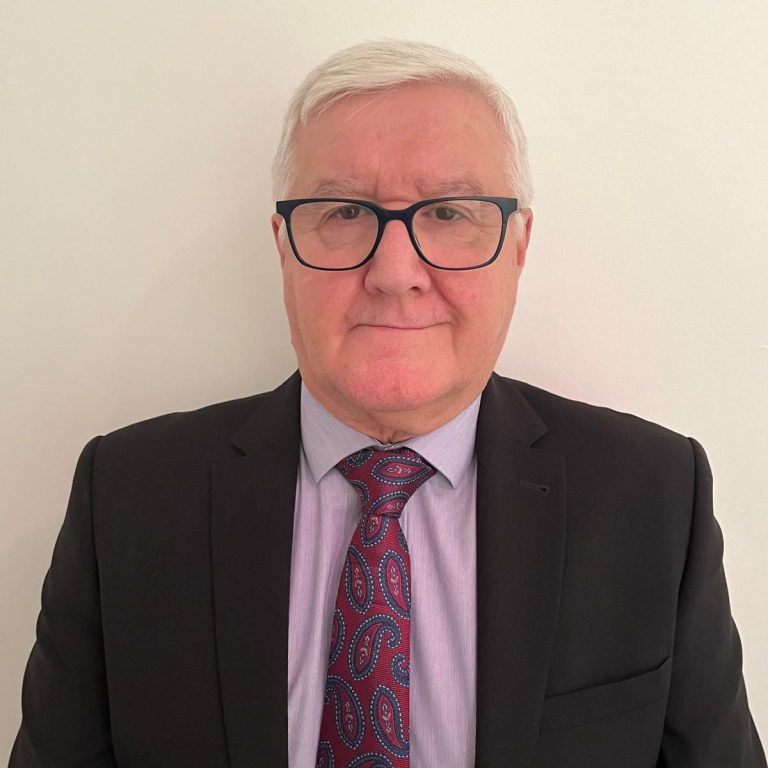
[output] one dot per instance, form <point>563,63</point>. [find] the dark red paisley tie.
<point>365,716</point>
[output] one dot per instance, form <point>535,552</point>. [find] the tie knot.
<point>385,480</point>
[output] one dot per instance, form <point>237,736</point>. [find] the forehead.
<point>416,140</point>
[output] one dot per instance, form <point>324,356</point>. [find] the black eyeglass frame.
<point>507,206</point>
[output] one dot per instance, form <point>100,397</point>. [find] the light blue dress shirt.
<point>439,524</point>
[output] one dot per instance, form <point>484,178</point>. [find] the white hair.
<point>381,65</point>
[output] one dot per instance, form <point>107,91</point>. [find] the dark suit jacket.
<point>605,638</point>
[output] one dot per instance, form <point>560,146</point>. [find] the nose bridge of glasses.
<point>404,215</point>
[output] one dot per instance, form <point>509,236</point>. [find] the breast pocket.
<point>571,710</point>
<point>617,724</point>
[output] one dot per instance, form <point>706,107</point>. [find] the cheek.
<point>290,301</point>
<point>316,306</point>
<point>483,303</point>
<point>502,291</point>
<point>299,306</point>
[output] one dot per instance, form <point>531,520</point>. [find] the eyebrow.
<point>340,187</point>
<point>464,185</point>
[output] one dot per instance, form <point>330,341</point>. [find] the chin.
<point>396,388</point>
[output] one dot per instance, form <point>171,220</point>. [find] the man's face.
<point>397,342</point>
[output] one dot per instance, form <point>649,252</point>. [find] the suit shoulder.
<point>576,425</point>
<point>203,432</point>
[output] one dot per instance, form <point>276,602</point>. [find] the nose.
<point>396,267</point>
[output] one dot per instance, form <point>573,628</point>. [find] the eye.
<point>445,213</point>
<point>349,212</point>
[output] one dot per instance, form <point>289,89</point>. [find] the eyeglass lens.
<point>454,234</point>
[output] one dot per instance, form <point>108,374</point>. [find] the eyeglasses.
<point>455,233</point>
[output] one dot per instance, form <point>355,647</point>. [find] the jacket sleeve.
<point>65,713</point>
<point>708,724</point>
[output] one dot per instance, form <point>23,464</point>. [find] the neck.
<point>395,425</point>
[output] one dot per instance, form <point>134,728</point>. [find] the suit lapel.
<point>520,546</point>
<point>520,549</point>
<point>252,507</point>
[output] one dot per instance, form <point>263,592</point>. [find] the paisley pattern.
<point>350,725</point>
<point>358,581</point>
<point>393,581</point>
<point>362,490</point>
<point>366,645</point>
<point>400,671</point>
<point>373,529</point>
<point>401,470</point>
<point>387,721</point>
<point>371,760</point>
<point>337,636</point>
<point>365,717</point>
<point>390,504</point>
<point>325,756</point>
<point>357,460</point>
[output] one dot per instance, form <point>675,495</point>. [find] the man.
<point>549,591</point>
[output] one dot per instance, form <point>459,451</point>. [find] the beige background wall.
<point>138,276</point>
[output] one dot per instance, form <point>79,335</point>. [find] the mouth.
<point>385,327</point>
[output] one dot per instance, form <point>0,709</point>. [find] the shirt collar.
<point>326,440</point>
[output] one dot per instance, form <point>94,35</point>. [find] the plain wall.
<point>138,273</point>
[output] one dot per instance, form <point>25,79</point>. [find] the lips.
<point>397,327</point>
<point>401,325</point>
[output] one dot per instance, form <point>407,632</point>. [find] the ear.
<point>525,236</point>
<point>281,239</point>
